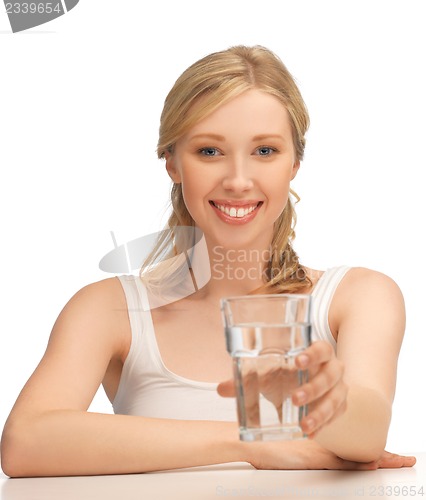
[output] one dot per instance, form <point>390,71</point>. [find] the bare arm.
<point>350,396</point>
<point>369,314</point>
<point>50,432</point>
<point>73,442</point>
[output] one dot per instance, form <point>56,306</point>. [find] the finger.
<point>394,461</point>
<point>388,461</point>
<point>317,353</point>
<point>326,411</point>
<point>329,376</point>
<point>226,389</point>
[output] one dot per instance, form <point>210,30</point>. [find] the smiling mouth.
<point>234,211</point>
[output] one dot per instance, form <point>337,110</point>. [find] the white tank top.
<point>147,388</point>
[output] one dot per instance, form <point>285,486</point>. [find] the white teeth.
<point>235,212</point>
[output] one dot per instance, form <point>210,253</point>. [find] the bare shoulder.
<point>99,308</point>
<point>103,301</point>
<point>368,283</point>
<point>107,291</point>
<point>367,293</point>
<point>87,335</point>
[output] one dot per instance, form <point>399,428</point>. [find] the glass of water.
<point>264,334</point>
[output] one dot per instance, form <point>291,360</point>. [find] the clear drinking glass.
<point>264,334</point>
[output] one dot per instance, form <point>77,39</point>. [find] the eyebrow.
<point>208,136</point>
<point>222,138</point>
<point>268,136</point>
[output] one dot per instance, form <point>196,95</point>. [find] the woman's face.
<point>235,167</point>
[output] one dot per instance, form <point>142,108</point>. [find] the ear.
<point>296,167</point>
<point>171,168</point>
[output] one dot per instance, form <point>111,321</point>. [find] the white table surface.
<point>225,481</point>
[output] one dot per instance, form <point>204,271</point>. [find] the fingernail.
<point>303,360</point>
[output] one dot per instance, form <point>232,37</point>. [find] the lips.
<point>236,211</point>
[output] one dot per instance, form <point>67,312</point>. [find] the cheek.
<point>193,190</point>
<point>278,194</point>
<point>280,188</point>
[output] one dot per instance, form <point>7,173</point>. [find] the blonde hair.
<point>217,78</point>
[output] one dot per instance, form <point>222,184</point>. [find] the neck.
<point>235,271</point>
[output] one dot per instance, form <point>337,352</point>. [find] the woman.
<point>232,135</point>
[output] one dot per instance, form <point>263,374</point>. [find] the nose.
<point>238,176</point>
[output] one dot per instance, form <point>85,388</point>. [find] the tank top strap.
<point>322,295</point>
<point>136,309</point>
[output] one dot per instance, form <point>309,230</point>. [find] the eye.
<point>265,151</point>
<point>208,151</point>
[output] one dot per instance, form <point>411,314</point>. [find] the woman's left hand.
<point>325,392</point>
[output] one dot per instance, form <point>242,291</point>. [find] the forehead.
<point>253,112</point>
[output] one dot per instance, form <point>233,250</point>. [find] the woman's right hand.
<point>309,455</point>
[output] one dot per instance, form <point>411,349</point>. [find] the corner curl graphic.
<point>180,269</point>
<point>24,15</point>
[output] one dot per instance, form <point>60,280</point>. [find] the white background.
<point>80,99</point>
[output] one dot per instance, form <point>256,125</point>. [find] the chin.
<point>234,242</point>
